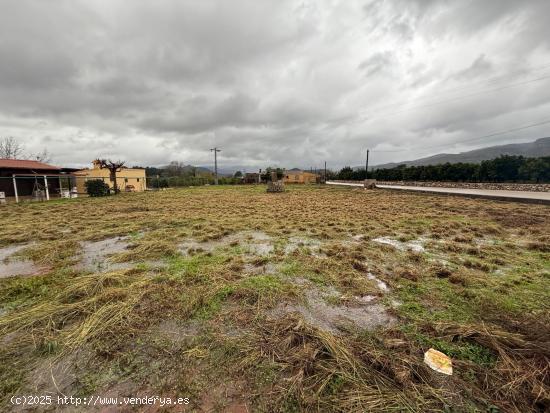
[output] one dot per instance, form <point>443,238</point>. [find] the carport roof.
<point>25,164</point>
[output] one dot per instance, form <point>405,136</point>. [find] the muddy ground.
<point>316,299</point>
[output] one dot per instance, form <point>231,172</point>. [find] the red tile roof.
<point>25,164</point>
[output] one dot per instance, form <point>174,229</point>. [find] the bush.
<point>96,187</point>
<point>158,182</point>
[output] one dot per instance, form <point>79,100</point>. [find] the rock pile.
<point>275,185</point>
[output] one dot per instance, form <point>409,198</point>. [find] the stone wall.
<point>468,185</point>
<point>474,185</point>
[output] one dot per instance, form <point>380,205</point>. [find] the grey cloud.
<point>199,114</point>
<point>293,82</point>
<point>379,62</point>
<point>480,66</point>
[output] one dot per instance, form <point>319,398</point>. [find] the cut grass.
<point>478,293</point>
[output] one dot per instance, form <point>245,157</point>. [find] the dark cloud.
<point>289,82</point>
<point>479,67</point>
<point>378,62</point>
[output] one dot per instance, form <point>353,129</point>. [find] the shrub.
<point>158,182</point>
<point>96,187</point>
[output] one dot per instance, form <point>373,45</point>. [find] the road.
<point>497,194</point>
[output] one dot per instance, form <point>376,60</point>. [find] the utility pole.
<point>215,150</point>
<point>367,166</point>
<point>325,171</point>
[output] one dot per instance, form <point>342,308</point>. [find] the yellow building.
<point>297,176</point>
<point>127,179</point>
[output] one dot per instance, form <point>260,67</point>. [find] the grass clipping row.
<point>92,306</point>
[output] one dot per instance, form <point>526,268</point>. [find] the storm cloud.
<point>290,83</point>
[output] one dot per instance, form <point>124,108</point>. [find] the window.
<point>125,179</point>
<point>138,179</point>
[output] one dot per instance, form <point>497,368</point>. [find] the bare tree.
<point>10,148</point>
<point>43,156</point>
<point>113,168</point>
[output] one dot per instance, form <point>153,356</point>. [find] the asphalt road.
<point>498,194</point>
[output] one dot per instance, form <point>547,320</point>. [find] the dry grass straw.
<point>520,380</point>
<point>91,307</point>
<point>325,372</point>
<point>322,372</point>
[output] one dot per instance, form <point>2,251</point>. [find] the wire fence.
<point>45,187</point>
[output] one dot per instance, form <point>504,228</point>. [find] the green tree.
<point>346,173</point>
<point>96,187</point>
<point>502,169</point>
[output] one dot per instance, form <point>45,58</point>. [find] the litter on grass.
<point>438,361</point>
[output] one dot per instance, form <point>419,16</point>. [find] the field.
<point>317,299</point>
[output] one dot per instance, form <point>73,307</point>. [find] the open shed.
<point>28,179</point>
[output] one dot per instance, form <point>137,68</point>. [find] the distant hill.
<point>176,169</point>
<point>199,169</point>
<point>540,147</point>
<point>228,171</point>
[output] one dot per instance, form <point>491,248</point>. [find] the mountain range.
<point>538,148</point>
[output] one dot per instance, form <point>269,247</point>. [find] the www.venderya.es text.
<point>49,400</point>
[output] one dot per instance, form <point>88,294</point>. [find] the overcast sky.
<point>274,82</point>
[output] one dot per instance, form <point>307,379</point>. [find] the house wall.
<point>299,178</point>
<point>293,178</point>
<point>125,178</point>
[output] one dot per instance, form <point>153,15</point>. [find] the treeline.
<point>177,174</point>
<point>502,169</point>
<point>174,181</point>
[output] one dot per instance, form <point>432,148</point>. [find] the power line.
<point>489,81</point>
<point>349,119</point>
<point>461,97</point>
<point>473,139</point>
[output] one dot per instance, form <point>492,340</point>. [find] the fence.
<point>44,187</point>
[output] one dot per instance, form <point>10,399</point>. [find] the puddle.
<point>257,236</point>
<point>252,269</point>
<point>55,375</point>
<point>382,286</point>
<point>176,332</point>
<point>260,249</point>
<point>312,245</point>
<point>396,303</point>
<point>156,264</point>
<point>415,245</point>
<point>367,298</point>
<point>355,238</point>
<point>95,254</point>
<point>485,241</point>
<point>440,261</point>
<point>363,313</point>
<point>190,247</point>
<point>11,266</point>
<point>254,242</point>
